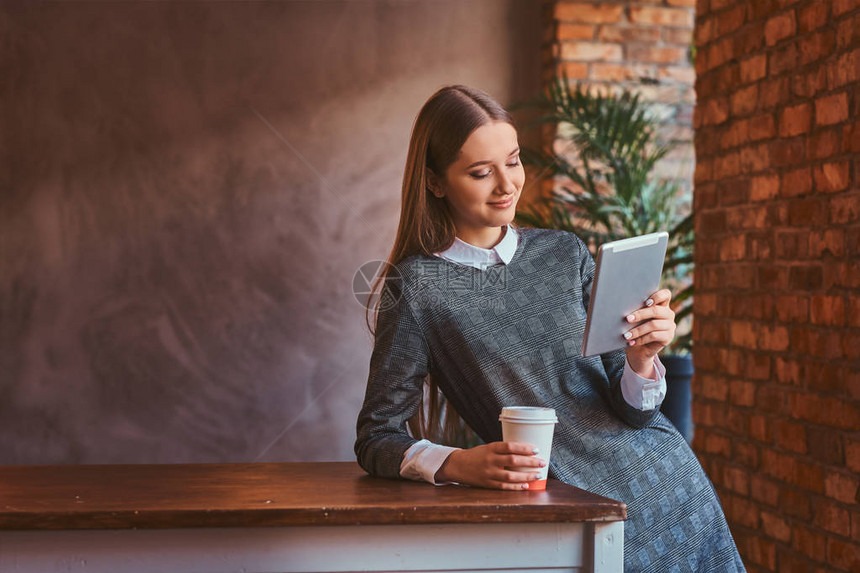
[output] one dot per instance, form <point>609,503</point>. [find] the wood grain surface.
<point>267,495</point>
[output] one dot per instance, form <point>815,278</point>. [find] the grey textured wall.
<point>187,191</point>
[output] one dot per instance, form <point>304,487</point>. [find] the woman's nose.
<point>506,184</point>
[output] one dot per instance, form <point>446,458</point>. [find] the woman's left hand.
<point>654,330</point>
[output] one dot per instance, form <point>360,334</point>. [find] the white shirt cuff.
<point>643,393</point>
<point>423,459</point>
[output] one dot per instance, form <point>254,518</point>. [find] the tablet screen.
<point>628,272</point>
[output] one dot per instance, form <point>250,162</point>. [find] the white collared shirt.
<point>424,458</point>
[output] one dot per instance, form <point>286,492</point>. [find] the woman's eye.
<point>480,174</point>
<point>514,163</point>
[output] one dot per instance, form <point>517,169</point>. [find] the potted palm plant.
<point>613,193</point>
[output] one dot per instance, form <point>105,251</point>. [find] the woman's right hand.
<point>486,466</point>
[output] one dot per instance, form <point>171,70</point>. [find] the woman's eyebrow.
<point>475,164</point>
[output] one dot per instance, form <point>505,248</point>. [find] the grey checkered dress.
<point>511,335</point>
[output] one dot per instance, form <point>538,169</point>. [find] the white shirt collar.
<point>467,254</point>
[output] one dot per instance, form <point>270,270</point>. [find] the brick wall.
<point>643,45</point>
<point>777,330</point>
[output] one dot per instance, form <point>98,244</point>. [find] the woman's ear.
<point>434,183</point>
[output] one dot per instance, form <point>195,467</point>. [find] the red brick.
<point>764,490</point>
<point>736,479</point>
<point>795,502</point>
<point>795,120</point>
<point>790,436</point>
<point>575,32</point>
<point>654,16</point>
<point>718,445</point>
<point>832,177</point>
<point>616,72</point>
<point>812,16</point>
<point>678,36</point>
<point>773,92</point>
<point>792,308</point>
<point>828,241</point>
<point>717,54</point>
<point>848,32</point>
<point>788,152</point>
<point>807,82</point>
<point>591,51</point>
<point>746,453</point>
<point>573,70</point>
<point>681,74</point>
<point>727,165</point>
<point>851,137</point>
<point>816,46</point>
<point>705,31</point>
<point>842,486</point>
<point>832,517</point>
<point>744,511</point>
<point>750,38</point>
<point>843,555</point>
<point>770,277</point>
<point>688,3</point>
<point>761,127</point>
<point>753,68</point>
<point>761,10</point>
<point>852,454</point>
<point>845,208</point>
<point>623,34</point>
<point>592,13</point>
<point>758,367</point>
<point>742,333</point>
<point>656,54</point>
<point>824,143</point>
<point>764,187</point>
<point>819,409</point>
<point>841,7</point>
<point>731,20</point>
<point>796,183</point>
<point>743,102</point>
<point>777,465</point>
<point>831,109</point>
<point>775,526</point>
<point>809,542</point>
<point>809,476</point>
<point>845,69</point>
<point>807,212</point>
<point>755,159</point>
<point>779,27</point>
<point>783,59</point>
<point>854,312</point>
<point>828,310</point>
<point>741,392</point>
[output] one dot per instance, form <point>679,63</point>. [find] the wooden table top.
<point>267,495</point>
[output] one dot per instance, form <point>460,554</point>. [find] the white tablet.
<point>628,272</point>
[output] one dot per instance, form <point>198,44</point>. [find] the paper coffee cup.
<point>530,425</point>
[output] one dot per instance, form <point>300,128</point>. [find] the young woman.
<point>493,315</point>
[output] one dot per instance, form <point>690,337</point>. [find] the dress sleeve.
<point>613,362</point>
<point>398,366</point>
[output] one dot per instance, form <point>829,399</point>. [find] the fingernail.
<point>628,335</point>
<point>649,302</point>
<point>535,451</point>
<point>631,343</point>
<point>525,486</point>
<point>630,318</point>
<point>542,464</point>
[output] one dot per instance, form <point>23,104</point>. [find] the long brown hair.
<point>444,123</point>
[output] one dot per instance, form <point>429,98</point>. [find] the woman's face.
<point>484,183</point>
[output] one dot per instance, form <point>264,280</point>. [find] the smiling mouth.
<point>503,202</point>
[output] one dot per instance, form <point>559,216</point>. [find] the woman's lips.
<point>503,204</point>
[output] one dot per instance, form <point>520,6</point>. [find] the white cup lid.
<point>528,414</point>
